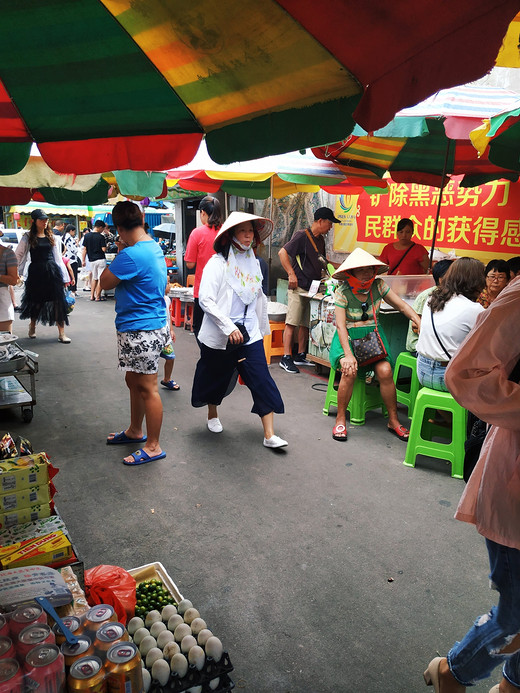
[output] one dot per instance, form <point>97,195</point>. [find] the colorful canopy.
<point>278,175</point>
<point>105,85</point>
<point>498,138</point>
<point>415,147</point>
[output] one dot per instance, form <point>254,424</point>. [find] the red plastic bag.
<point>110,584</point>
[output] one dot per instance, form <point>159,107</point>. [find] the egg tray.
<point>210,671</point>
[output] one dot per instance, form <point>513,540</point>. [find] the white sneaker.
<point>215,426</point>
<point>275,442</point>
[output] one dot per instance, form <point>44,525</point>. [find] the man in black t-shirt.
<point>94,246</point>
<point>303,258</point>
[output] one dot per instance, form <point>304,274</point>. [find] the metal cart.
<point>17,381</point>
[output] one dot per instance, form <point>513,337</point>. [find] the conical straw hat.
<point>263,226</point>
<point>359,258</point>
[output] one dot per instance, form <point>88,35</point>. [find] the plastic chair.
<point>273,343</point>
<point>407,360</point>
<point>422,431</point>
<point>190,280</point>
<point>364,398</point>
<point>176,311</point>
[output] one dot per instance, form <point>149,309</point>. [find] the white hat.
<point>262,225</point>
<point>359,258</point>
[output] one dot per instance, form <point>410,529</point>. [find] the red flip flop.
<point>401,432</point>
<point>339,433</point>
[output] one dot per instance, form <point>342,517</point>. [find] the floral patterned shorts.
<point>139,351</point>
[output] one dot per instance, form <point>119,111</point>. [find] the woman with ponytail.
<point>200,248</point>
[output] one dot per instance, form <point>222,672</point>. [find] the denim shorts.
<point>431,373</point>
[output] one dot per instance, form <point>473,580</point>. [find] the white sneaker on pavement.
<point>215,426</point>
<point>275,442</point>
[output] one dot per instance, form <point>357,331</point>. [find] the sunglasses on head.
<point>364,315</point>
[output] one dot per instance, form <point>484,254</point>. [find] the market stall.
<point>66,629</point>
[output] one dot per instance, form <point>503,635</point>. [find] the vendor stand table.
<point>15,391</point>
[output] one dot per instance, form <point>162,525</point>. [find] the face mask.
<point>241,246</point>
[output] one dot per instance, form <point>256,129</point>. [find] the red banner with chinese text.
<point>484,220</point>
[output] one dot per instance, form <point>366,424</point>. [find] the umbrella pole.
<point>271,217</point>
<point>443,185</point>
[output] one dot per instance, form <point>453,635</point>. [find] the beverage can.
<point>124,670</point>
<point>11,676</point>
<point>7,650</point>
<point>4,626</point>
<point>107,635</point>
<point>87,674</point>
<point>39,634</point>
<point>45,669</point>
<point>25,616</point>
<point>72,653</point>
<point>97,615</point>
<point>73,624</point>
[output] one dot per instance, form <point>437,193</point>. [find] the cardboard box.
<point>52,548</point>
<point>20,473</point>
<point>36,495</point>
<point>31,514</point>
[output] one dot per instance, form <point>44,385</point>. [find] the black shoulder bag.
<point>231,346</point>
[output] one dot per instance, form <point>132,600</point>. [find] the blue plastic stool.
<point>407,360</point>
<point>422,431</point>
<point>364,397</point>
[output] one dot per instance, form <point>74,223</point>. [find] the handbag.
<point>370,348</point>
<point>231,346</point>
<point>70,300</point>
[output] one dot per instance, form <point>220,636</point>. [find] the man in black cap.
<point>303,258</point>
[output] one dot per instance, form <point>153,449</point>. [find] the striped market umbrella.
<point>112,85</point>
<point>276,176</point>
<point>425,143</point>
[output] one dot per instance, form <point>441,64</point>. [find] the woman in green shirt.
<point>357,300</point>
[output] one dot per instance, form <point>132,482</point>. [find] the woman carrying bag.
<point>359,344</point>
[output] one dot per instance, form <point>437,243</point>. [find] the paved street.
<point>327,567</point>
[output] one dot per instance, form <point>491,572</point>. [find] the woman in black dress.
<point>44,296</point>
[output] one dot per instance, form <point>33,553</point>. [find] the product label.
<point>9,502</point>
<point>8,483</point>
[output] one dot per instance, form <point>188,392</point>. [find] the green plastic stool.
<point>407,360</point>
<point>364,397</point>
<point>425,405</point>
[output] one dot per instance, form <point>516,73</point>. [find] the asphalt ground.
<point>324,567</point>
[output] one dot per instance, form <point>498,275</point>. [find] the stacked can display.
<point>29,656</point>
<point>34,656</point>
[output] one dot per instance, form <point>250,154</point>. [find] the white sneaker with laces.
<point>215,426</point>
<point>275,442</point>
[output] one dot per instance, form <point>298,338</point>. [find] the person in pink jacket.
<point>483,377</point>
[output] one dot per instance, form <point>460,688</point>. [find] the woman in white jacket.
<point>231,295</point>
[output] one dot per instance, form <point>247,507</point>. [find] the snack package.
<point>25,472</point>
<point>30,514</point>
<point>20,585</point>
<point>31,530</point>
<point>51,548</point>
<point>7,447</point>
<point>36,495</point>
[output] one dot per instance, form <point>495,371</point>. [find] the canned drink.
<point>45,669</point>
<point>11,676</point>
<point>40,634</point>
<point>73,624</point>
<point>7,650</point>
<point>72,653</point>
<point>87,674</point>
<point>95,617</point>
<point>4,627</point>
<point>123,667</point>
<point>25,616</point>
<point>107,635</point>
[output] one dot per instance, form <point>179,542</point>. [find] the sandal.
<point>401,432</point>
<point>170,385</point>
<point>339,432</point>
